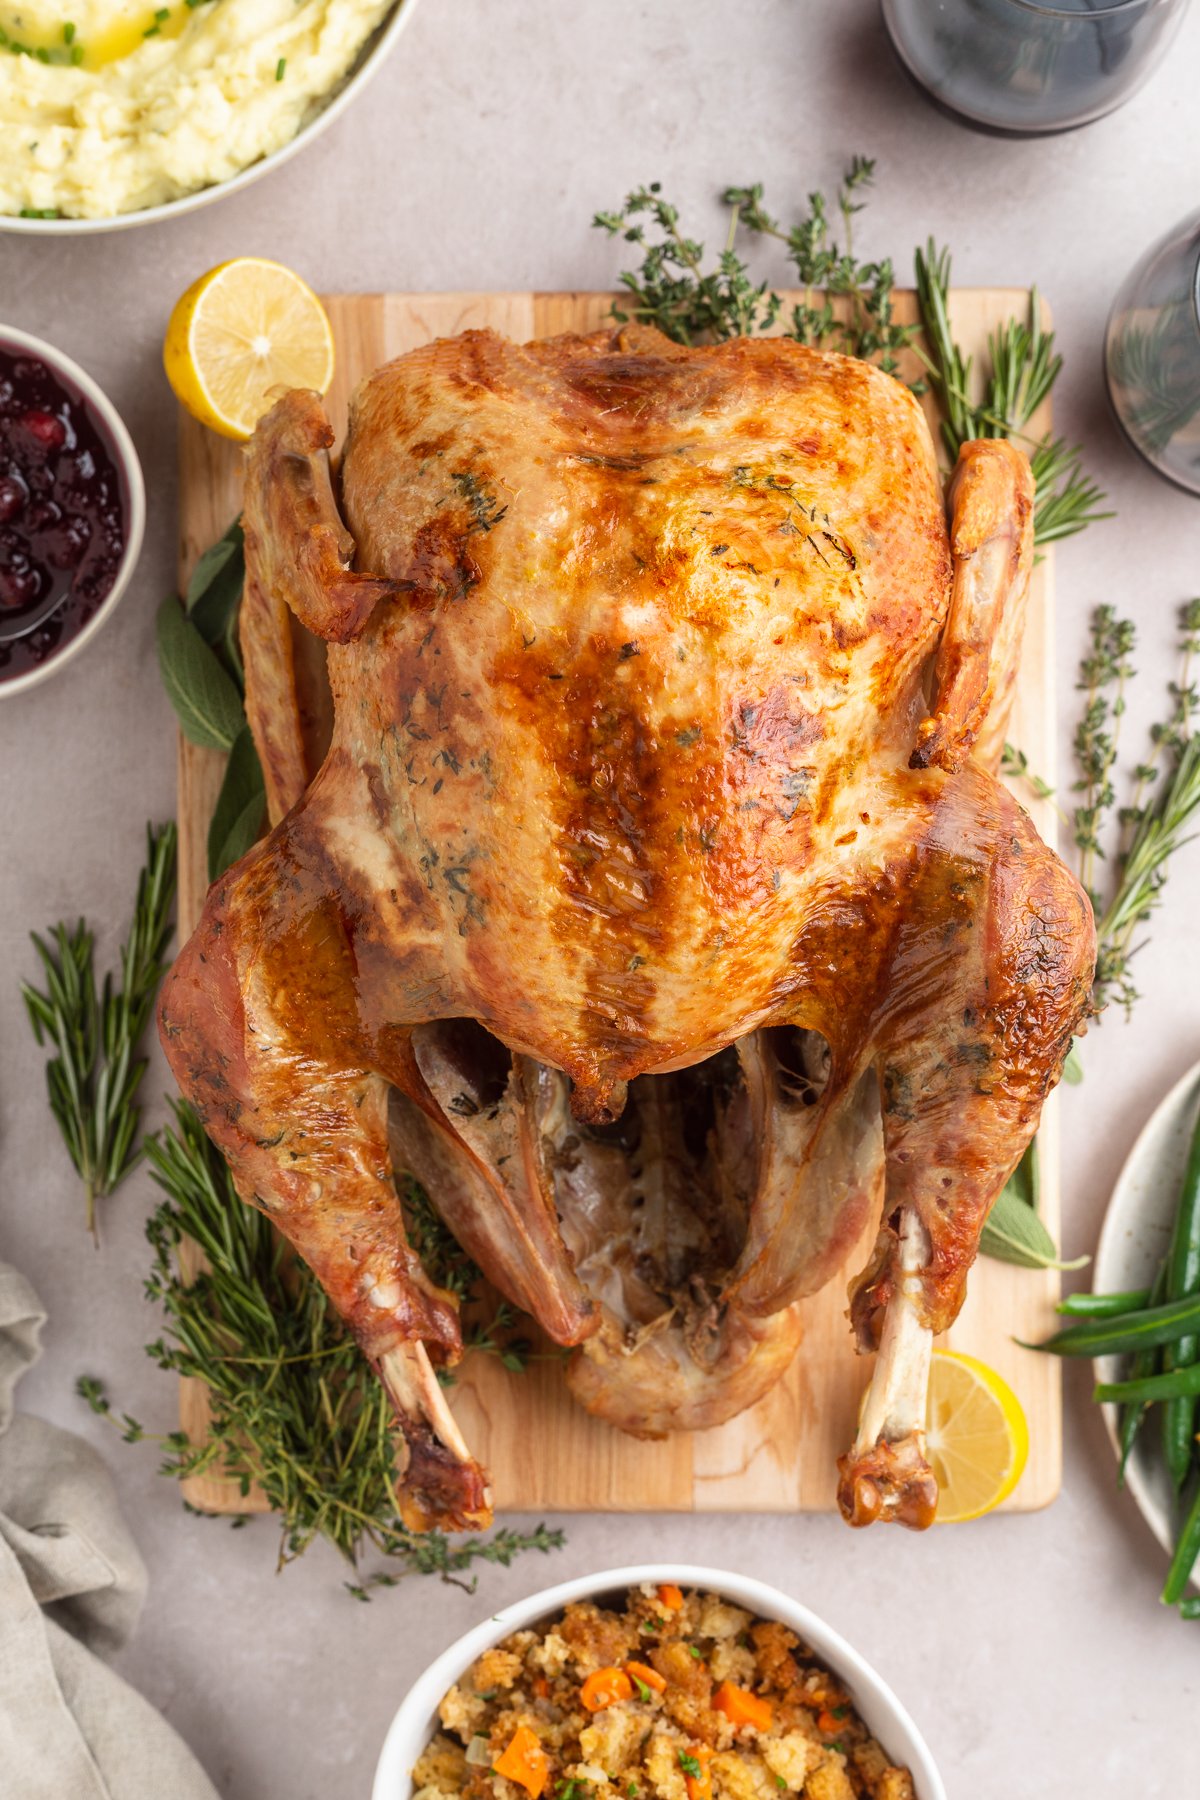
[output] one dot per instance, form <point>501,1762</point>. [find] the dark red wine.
<point>62,525</point>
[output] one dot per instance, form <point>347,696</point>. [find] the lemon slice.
<point>976,1436</point>
<point>244,329</point>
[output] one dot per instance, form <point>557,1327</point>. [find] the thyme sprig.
<point>95,1074</point>
<point>1164,805</point>
<point>847,305</point>
<point>673,290</point>
<point>296,1411</point>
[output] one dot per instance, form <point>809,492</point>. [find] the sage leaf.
<point>238,815</point>
<point>1025,1182</point>
<point>203,693</point>
<point>1073,1067</point>
<point>1015,1234</point>
<point>214,597</point>
<point>218,572</point>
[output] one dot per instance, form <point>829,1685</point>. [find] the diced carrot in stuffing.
<point>697,1776</point>
<point>604,1687</point>
<point>741,1707</point>
<point>670,1596</point>
<point>826,1722</point>
<point>649,1677</point>
<point>541,1687</point>
<point>524,1761</point>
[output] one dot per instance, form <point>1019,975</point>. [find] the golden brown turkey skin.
<point>657,677</point>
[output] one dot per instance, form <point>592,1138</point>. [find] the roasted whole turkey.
<point>657,871</point>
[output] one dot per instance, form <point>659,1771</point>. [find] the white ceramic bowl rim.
<point>370,58</point>
<point>415,1721</point>
<point>133,495</point>
<point>1108,1257</point>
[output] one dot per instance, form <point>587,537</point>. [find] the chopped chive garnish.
<point>76,55</point>
<point>280,68</point>
<point>162,15</point>
<point>150,31</point>
<point>40,212</point>
<point>68,33</point>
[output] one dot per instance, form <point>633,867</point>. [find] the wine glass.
<point>1152,355</point>
<point>1022,68</point>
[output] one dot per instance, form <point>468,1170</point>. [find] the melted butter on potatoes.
<point>108,106</point>
<point>665,1699</point>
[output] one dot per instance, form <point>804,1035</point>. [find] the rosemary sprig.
<point>95,1074</point>
<point>1023,366</point>
<point>295,1409</point>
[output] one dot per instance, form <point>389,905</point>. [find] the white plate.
<point>885,1717</point>
<point>370,59</point>
<point>1133,1241</point>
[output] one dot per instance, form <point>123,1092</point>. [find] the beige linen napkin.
<point>71,1588</point>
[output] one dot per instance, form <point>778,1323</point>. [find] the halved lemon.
<point>247,327</point>
<point>977,1439</point>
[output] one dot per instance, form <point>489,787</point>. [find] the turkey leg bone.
<point>1030,914</point>
<point>891,1478</point>
<point>301,1118</point>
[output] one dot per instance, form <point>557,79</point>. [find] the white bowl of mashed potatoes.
<point>121,112</point>
<point>662,1682</point>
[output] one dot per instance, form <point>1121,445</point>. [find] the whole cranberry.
<point>12,498</point>
<point>48,433</point>
<point>19,587</point>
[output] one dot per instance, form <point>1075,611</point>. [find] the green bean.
<point>1173,1384</point>
<point>1103,1306</point>
<point>1190,1608</point>
<point>1131,1331</point>
<point>1143,1364</point>
<point>1183,1278</point>
<point>1187,1548</point>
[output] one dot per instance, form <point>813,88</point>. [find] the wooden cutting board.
<point>543,1452</point>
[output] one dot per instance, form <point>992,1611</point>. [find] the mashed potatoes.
<point>107,106</point>
<point>677,1697</point>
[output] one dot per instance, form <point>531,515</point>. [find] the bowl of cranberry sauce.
<point>72,509</point>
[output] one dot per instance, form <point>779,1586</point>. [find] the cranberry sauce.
<point>61,517</point>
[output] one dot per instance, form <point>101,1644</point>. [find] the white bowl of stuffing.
<point>654,1683</point>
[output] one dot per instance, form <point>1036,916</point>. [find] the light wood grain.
<point>544,1452</point>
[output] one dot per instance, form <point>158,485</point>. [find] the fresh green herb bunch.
<point>296,1410</point>
<point>199,657</point>
<point>673,291</point>
<point>847,306</point>
<point>1014,1231</point>
<point>95,1074</point>
<point>1164,802</point>
<point>1023,367</point>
